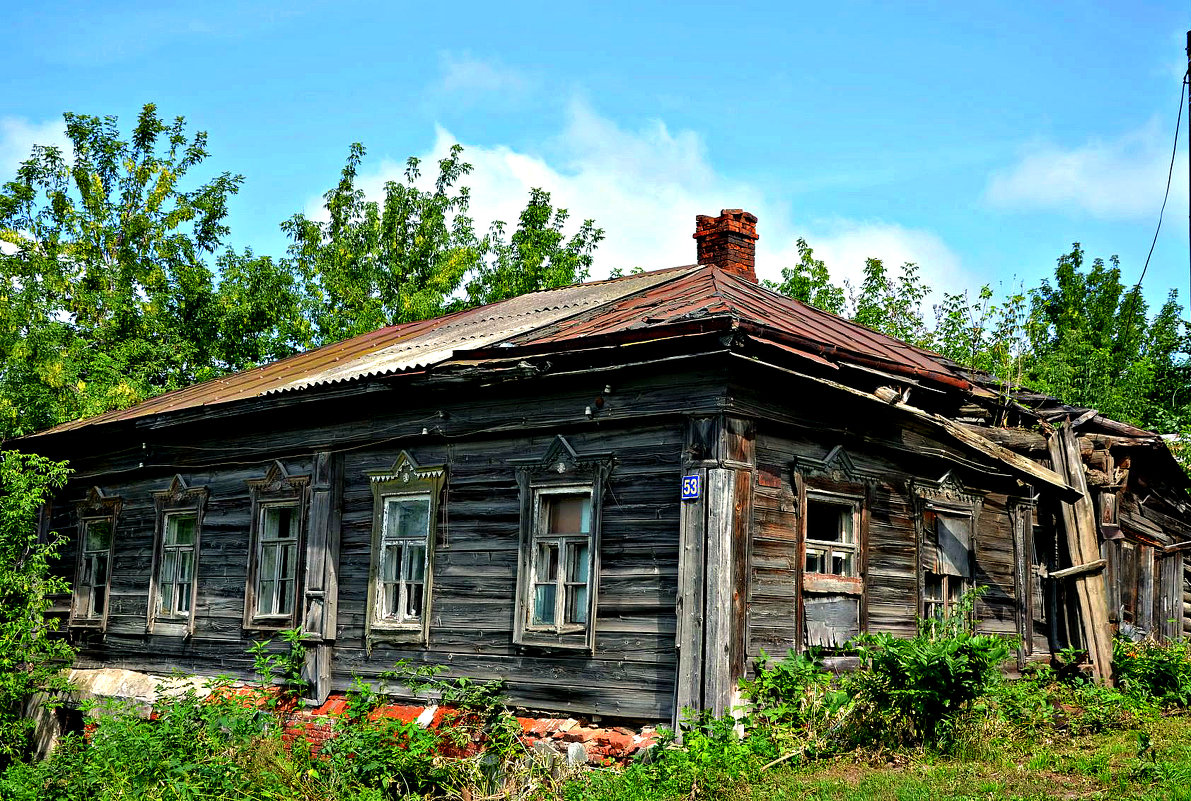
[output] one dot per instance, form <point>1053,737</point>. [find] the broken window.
<point>561,560</point>
<point>94,575</point>
<point>831,546</point>
<point>403,527</point>
<point>949,570</point>
<point>176,568</point>
<point>831,583</point>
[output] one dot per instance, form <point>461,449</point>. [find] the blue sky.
<point>979,140</point>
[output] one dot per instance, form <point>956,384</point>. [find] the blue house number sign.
<point>690,487</point>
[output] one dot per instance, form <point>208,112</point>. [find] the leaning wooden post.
<point>1079,523</point>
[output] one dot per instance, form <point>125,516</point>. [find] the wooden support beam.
<point>1079,523</point>
<point>1079,570</point>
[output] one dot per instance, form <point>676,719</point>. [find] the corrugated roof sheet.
<point>559,317</point>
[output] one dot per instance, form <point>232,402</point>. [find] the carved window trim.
<point>179,499</point>
<point>406,479</point>
<point>278,488</point>
<point>96,508</point>
<point>560,470</point>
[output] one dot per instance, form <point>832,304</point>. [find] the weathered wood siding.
<point>643,425</point>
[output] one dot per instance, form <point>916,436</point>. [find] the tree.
<point>415,254</point>
<point>810,282</point>
<point>107,296</point>
<point>31,656</point>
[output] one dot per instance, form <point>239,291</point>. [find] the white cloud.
<point>462,73</point>
<point>845,245</point>
<point>17,138</point>
<point>644,188</point>
<point>1110,179</point>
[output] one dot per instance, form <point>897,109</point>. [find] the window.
<point>174,587</point>
<point>399,584</point>
<point>94,576</point>
<point>175,582</point>
<point>277,560</point>
<point>949,573</point>
<point>403,552</point>
<point>273,597</point>
<point>559,560</point>
<point>831,542</point>
<point>93,571</point>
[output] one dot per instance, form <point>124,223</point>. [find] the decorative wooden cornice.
<point>406,470</point>
<point>99,504</point>
<point>278,481</point>
<point>180,494</point>
<point>561,459</point>
<point>837,465</point>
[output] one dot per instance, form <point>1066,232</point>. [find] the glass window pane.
<point>268,565</point>
<point>413,601</point>
<point>183,599</point>
<point>546,565</point>
<point>101,569</point>
<point>577,562</point>
<point>816,560</point>
<point>264,597</point>
<point>390,561</point>
<point>577,603</point>
<point>407,517</point>
<point>288,557</point>
<point>180,530</point>
<point>543,604</point>
<point>389,608</point>
<point>285,597</point>
<point>185,565</point>
<point>567,514</point>
<point>168,566</point>
<point>279,523</point>
<point>416,568</point>
<point>841,563</point>
<point>166,596</point>
<point>99,535</point>
<point>97,606</point>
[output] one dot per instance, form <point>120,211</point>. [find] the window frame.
<point>277,489</point>
<point>951,499</point>
<point>561,470</point>
<point>179,499</point>
<point>564,540</point>
<point>853,582</point>
<point>96,508</point>
<point>405,480</point>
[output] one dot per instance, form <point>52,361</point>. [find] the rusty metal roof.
<point>632,306</point>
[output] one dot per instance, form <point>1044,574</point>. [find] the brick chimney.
<point>728,241</point>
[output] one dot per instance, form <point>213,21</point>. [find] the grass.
<point>1099,766</point>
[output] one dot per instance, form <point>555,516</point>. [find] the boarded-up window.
<point>831,582</point>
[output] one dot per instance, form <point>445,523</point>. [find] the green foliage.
<point>31,655</point>
<point>810,282</point>
<point>913,688</point>
<point>1158,671</point>
<point>282,669</point>
<point>116,282</point>
<point>416,255</point>
<point>1085,337</point>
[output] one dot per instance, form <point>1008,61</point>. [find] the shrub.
<point>909,690</point>
<point>1160,671</point>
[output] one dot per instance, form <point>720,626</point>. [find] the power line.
<point>1169,175</point>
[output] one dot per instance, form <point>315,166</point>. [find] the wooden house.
<point>613,496</point>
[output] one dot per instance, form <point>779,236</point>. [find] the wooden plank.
<point>1079,524</point>
<point>690,600</point>
<point>719,681</point>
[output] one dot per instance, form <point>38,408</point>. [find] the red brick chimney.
<point>728,241</point>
